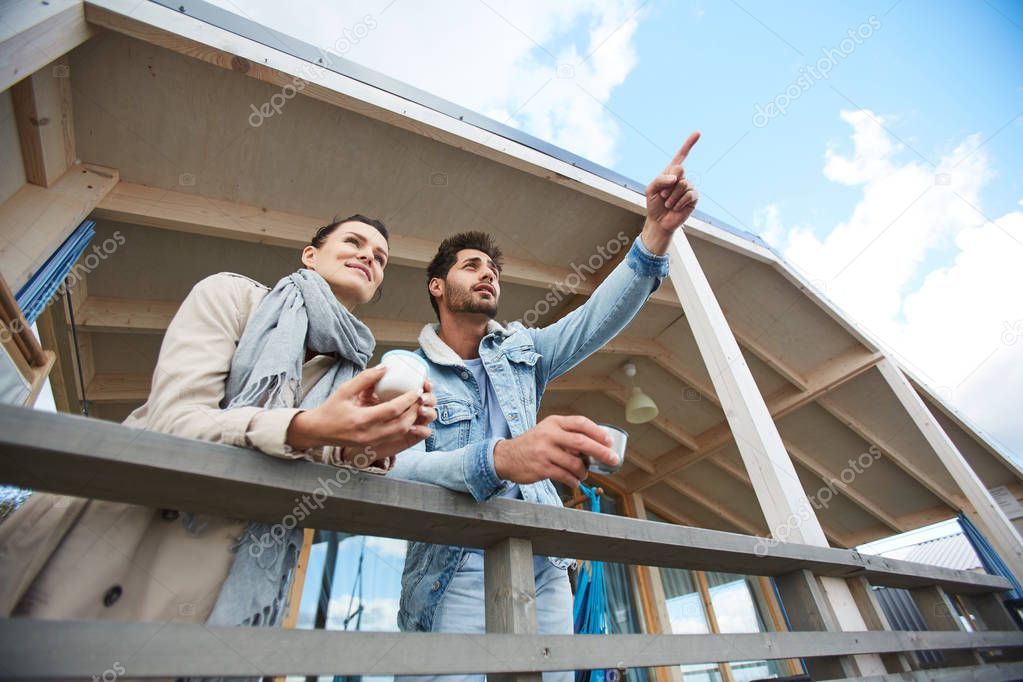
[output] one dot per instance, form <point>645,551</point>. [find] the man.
<point>489,380</point>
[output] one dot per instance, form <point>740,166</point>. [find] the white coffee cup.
<point>619,438</point>
<point>406,372</point>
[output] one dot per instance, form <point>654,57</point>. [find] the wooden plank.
<point>43,113</point>
<point>36,220</point>
<point>54,334</point>
<point>808,609</point>
<point>194,214</point>
<point>97,459</point>
<point>118,388</point>
<point>87,648</point>
<point>510,595</point>
<point>999,531</point>
<point>33,34</point>
<point>131,315</point>
<point>939,614</point>
<point>876,620</point>
<point>979,673</point>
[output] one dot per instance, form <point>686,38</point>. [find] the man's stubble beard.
<point>461,301</point>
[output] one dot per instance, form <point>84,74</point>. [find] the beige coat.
<point>65,557</point>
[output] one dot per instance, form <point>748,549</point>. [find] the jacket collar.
<point>438,352</point>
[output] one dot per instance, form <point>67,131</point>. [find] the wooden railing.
<point>91,458</point>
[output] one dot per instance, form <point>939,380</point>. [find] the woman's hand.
<point>377,453</point>
<point>353,418</point>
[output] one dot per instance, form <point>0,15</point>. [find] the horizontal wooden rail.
<point>92,458</point>
<point>39,649</point>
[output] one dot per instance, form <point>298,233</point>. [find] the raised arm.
<point>670,199</point>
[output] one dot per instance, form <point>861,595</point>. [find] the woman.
<point>282,371</point>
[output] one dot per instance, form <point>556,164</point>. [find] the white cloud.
<point>500,59</point>
<point>950,324</point>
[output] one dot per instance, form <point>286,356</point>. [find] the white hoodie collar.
<point>438,352</point>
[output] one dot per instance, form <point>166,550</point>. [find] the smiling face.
<point>351,259</point>
<point>472,285</point>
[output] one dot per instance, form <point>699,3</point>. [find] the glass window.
<point>737,609</point>
<point>352,583</point>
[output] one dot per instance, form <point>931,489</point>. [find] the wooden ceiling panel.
<point>817,434</point>
<point>313,158</point>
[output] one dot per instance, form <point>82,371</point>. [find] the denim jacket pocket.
<point>454,420</point>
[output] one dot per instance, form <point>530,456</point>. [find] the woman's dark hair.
<point>447,254</point>
<point>325,231</point>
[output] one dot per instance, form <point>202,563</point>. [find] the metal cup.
<point>619,438</point>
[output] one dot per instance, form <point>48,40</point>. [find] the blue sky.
<point>941,71</point>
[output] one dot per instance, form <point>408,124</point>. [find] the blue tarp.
<point>989,557</point>
<point>40,288</point>
<point>590,611</point>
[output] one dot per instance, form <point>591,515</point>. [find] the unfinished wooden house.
<point>730,534</point>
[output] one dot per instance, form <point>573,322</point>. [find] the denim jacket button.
<point>465,375</point>
<point>436,586</point>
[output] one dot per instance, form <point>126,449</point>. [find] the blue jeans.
<point>461,609</point>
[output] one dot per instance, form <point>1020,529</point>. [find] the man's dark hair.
<point>325,231</point>
<point>447,254</point>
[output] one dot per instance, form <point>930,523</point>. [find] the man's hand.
<point>670,199</point>
<point>552,449</point>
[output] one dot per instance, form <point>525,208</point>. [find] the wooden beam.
<point>98,459</point>
<point>36,220</point>
<point>42,112</point>
<point>999,530</point>
<point>171,650</point>
<point>834,537</point>
<point>715,507</point>
<point>834,480</point>
<point>510,596</point>
<point>939,614</point>
<point>675,367</point>
<point>190,213</point>
<point>33,34</point>
<point>753,345</point>
<point>894,454</point>
<point>876,620</point>
<point>833,374</point>
<point>771,471</point>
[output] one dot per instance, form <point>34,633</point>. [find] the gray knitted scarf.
<point>300,312</point>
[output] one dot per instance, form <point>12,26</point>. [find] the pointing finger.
<point>685,149</point>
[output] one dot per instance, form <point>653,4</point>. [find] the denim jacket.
<point>519,362</point>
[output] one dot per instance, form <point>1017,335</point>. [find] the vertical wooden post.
<point>939,614</point>
<point>807,608</point>
<point>510,594</point>
<point>993,522</point>
<point>875,619</point>
<point>656,604</point>
<point>785,506</point>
